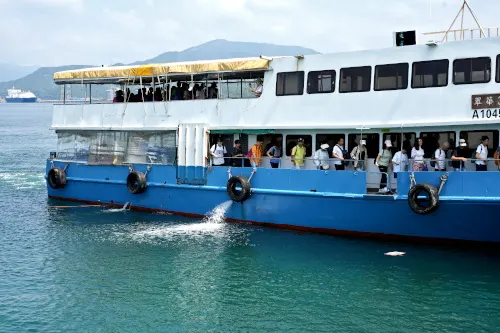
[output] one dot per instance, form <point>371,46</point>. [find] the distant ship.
<point>20,96</point>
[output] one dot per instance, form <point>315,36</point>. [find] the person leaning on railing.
<point>482,154</point>
<point>459,157</point>
<point>256,157</point>
<point>417,155</point>
<point>383,160</point>
<point>299,154</point>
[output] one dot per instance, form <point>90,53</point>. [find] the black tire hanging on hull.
<point>136,182</point>
<point>56,178</point>
<point>423,206</point>
<point>236,194</point>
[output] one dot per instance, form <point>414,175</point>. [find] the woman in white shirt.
<point>417,155</point>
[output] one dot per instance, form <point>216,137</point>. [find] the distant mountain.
<point>41,81</point>
<point>223,49</point>
<point>12,71</point>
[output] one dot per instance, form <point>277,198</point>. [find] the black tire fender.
<point>235,194</point>
<point>136,182</point>
<point>423,206</point>
<point>56,178</point>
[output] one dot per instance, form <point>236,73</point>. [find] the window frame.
<point>288,150</point>
<point>430,154</point>
<point>300,82</point>
<point>356,91</point>
<point>497,76</point>
<point>405,82</point>
<point>494,139</point>
<point>372,153</point>
<point>426,62</point>
<point>331,72</point>
<point>461,83</point>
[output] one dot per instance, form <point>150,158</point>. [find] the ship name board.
<point>486,106</point>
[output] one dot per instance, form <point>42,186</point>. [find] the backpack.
<point>433,161</point>
<point>345,155</point>
<point>473,158</point>
<point>249,154</point>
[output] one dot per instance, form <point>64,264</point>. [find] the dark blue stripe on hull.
<point>21,100</point>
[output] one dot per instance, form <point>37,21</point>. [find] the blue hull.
<point>21,100</point>
<point>306,200</point>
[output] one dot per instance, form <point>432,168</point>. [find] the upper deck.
<point>412,86</point>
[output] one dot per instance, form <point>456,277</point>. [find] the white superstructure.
<point>18,93</point>
<point>370,101</point>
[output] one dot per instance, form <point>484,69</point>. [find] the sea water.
<point>88,270</point>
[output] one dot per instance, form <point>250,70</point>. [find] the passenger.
<point>400,162</point>
<point>482,154</point>
<point>237,155</point>
<point>417,155</point>
<point>256,157</point>
<point>275,153</point>
<point>383,161</point>
<point>218,152</point>
<point>459,156</point>
<point>175,94</point>
<point>338,155</point>
<point>496,157</point>
<point>213,92</point>
<point>360,156</point>
<point>158,95</point>
<point>150,95</point>
<point>139,96</point>
<point>258,90</point>
<point>321,157</point>
<point>407,142</point>
<point>121,99</point>
<point>202,92</point>
<point>440,157</point>
<point>186,94</point>
<point>145,94</point>
<point>299,154</point>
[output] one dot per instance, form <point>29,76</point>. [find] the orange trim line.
<point>335,232</point>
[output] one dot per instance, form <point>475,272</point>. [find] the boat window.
<point>498,69</point>
<point>432,140</point>
<point>321,82</point>
<point>117,147</point>
<point>472,70</point>
<point>372,143</point>
<point>355,79</point>
<point>391,77</point>
<point>408,142</point>
<point>473,139</point>
<point>331,139</point>
<point>290,83</point>
<point>427,74</point>
<point>270,140</point>
<point>291,141</point>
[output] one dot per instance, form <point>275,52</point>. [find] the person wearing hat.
<point>321,157</point>
<point>459,157</point>
<point>299,154</point>
<point>400,162</point>
<point>383,160</point>
<point>360,156</point>
<point>482,154</point>
<point>258,90</point>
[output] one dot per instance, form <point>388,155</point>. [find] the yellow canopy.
<point>192,67</point>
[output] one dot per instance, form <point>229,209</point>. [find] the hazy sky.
<point>94,32</point>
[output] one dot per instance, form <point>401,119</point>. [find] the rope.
<point>443,180</point>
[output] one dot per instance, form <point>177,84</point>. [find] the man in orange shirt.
<point>256,158</point>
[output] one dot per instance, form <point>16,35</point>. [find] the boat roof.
<point>115,74</point>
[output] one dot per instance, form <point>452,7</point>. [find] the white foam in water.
<point>23,180</point>
<point>125,207</point>
<point>211,225</point>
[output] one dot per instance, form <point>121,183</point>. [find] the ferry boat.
<point>19,96</point>
<point>156,154</point>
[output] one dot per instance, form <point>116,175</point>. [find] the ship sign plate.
<point>485,106</point>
